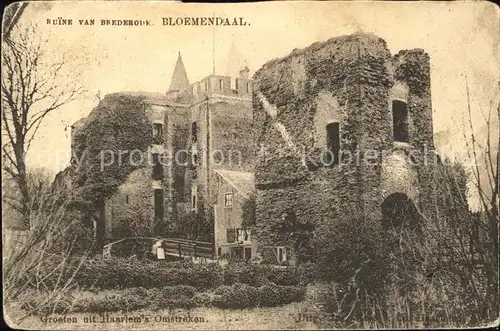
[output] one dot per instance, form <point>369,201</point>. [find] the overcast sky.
<point>461,38</point>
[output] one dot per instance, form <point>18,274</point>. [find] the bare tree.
<point>34,84</point>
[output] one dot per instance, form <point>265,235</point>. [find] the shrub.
<point>123,273</point>
<point>246,296</point>
<point>276,295</point>
<point>202,299</point>
<point>251,274</point>
<point>285,276</point>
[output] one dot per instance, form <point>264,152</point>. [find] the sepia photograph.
<point>284,165</point>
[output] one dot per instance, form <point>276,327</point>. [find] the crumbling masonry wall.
<point>351,80</point>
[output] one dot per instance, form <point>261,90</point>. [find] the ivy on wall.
<point>106,149</point>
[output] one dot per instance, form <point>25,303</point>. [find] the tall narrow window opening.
<point>194,195</point>
<point>400,121</point>
<point>332,144</point>
<point>157,167</point>
<point>194,131</point>
<point>157,133</point>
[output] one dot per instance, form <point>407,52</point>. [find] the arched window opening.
<point>332,144</point>
<point>398,212</point>
<point>400,121</point>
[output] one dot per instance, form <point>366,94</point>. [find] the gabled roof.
<point>242,181</point>
<point>179,80</point>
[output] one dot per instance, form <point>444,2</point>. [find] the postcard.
<point>257,165</point>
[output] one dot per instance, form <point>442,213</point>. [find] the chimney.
<point>244,72</point>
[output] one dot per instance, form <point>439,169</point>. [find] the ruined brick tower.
<point>341,130</point>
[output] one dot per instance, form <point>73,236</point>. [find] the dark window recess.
<point>126,199</point>
<point>193,202</point>
<point>399,211</point>
<point>157,134</point>
<point>158,204</point>
<point>248,253</point>
<point>400,121</point>
<point>219,251</point>
<point>230,235</point>
<point>332,144</point>
<point>237,253</point>
<point>157,167</point>
<point>194,131</point>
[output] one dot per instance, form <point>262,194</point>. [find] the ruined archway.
<point>399,212</point>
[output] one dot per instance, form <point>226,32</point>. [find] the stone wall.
<point>350,80</point>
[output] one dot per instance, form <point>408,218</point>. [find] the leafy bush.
<point>245,296</point>
<point>122,273</point>
<point>237,296</point>
<point>272,295</point>
<point>259,275</point>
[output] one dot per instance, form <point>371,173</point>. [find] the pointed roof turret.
<point>235,62</point>
<point>179,80</point>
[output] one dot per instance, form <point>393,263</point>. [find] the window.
<point>332,144</point>
<point>400,121</point>
<point>248,253</point>
<point>236,84</point>
<point>221,84</point>
<point>230,235</point>
<point>157,167</point>
<point>219,251</point>
<point>228,199</point>
<point>237,253</point>
<point>194,194</point>
<point>194,131</point>
<point>244,235</point>
<point>158,204</point>
<point>281,254</point>
<point>248,87</point>
<point>194,155</point>
<point>126,199</point>
<point>193,202</point>
<point>157,133</point>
